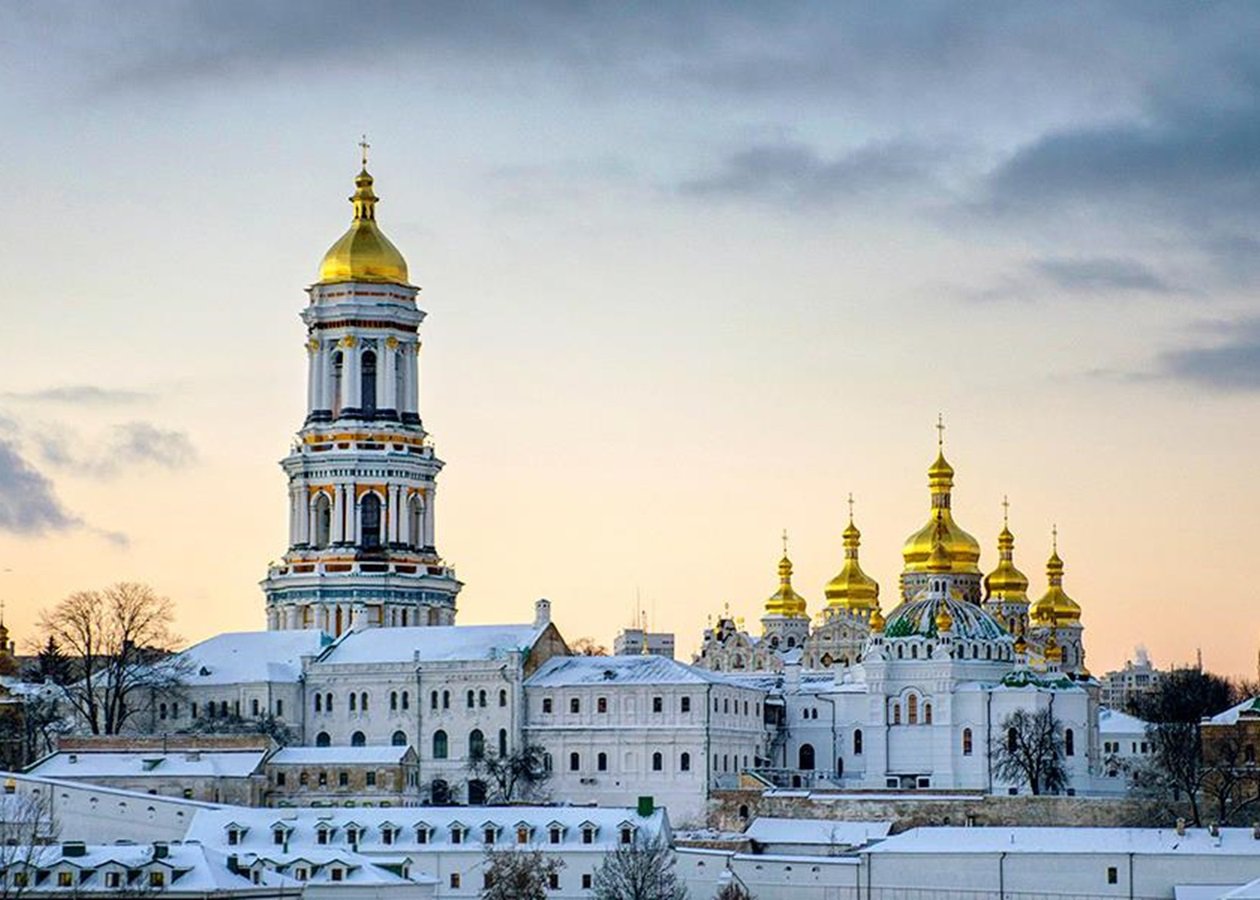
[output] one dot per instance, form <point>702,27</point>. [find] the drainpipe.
<point>708,717</point>
<point>835,745</point>
<point>1002,876</point>
<point>988,739</point>
<point>1130,876</point>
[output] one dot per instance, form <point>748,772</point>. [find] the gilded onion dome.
<point>962,550</point>
<point>363,253</point>
<point>852,589</point>
<point>1055,605</point>
<point>785,601</point>
<point>877,621</point>
<point>1006,583</point>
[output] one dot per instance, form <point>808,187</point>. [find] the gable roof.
<point>571,671</point>
<point>432,643</point>
<point>251,656</point>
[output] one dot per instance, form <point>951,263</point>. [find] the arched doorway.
<point>805,757</point>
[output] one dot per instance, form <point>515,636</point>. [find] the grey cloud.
<point>78,395</point>
<point>28,503</point>
<point>131,445</point>
<point>796,175</point>
<point>1230,364</point>
<point>1101,274</point>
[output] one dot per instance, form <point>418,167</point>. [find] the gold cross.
<point>1006,511</point>
<point>1054,537</point>
<point>940,431</point>
<point>785,542</point>
<point>364,145</point>
<point>850,507</point>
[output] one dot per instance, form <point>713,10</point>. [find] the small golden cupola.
<point>363,253</point>
<point>1006,584</point>
<point>785,601</point>
<point>852,590</point>
<point>1055,606</point>
<point>962,550</point>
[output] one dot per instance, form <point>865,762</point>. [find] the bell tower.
<point>362,472</point>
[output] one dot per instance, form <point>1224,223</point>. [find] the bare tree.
<point>520,775</point>
<point>642,870</point>
<point>122,639</point>
<point>1029,749</point>
<point>733,890</point>
<point>1174,711</point>
<point>26,831</point>
<point>588,646</point>
<point>519,875</point>
<point>1231,777</point>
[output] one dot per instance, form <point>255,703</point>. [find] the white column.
<point>404,514</point>
<point>305,513</point>
<point>351,394</point>
<point>312,375</point>
<point>411,362</point>
<point>391,519</point>
<point>293,515</point>
<point>352,515</point>
<point>338,514</point>
<point>428,540</point>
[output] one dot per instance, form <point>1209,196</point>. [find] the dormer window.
<point>588,834</point>
<point>422,834</point>
<point>627,834</point>
<point>113,879</point>
<point>488,833</point>
<point>352,834</point>
<point>323,834</point>
<point>278,836</point>
<point>554,834</point>
<point>336,873</point>
<point>457,834</point>
<point>157,878</point>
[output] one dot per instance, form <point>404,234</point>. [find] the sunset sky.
<point>694,272</point>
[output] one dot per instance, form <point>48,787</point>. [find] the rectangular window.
<point>277,837</point>
<point>658,704</point>
<point>111,879</point>
<point>1113,875</point>
<point>455,879</point>
<point>554,835</point>
<point>336,874</point>
<point>371,779</point>
<point>586,881</point>
<point>157,879</point>
<point>546,704</point>
<point>280,779</point>
<point>343,779</point>
<point>575,705</point>
<point>685,704</point>
<point>65,879</point>
<point>279,707</point>
<point>553,881</point>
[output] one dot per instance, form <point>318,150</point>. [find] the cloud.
<point>795,175</point>
<point>131,445</point>
<point>1100,274</point>
<point>1230,364</point>
<point>78,395</point>
<point>28,503</point>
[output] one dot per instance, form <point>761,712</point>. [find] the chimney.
<point>542,612</point>
<point>161,849</point>
<point>1214,829</point>
<point>1181,827</point>
<point>1255,831</point>
<point>792,676</point>
<point>73,848</point>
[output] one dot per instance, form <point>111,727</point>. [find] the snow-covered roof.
<point>1196,841</point>
<point>432,643</point>
<point>823,832</point>
<point>209,827</point>
<point>243,657</point>
<point>571,671</point>
<point>1112,721</point>
<point>1249,708</point>
<point>1203,891</point>
<point>331,756</point>
<point>148,763</point>
<point>1249,891</point>
<point>188,868</point>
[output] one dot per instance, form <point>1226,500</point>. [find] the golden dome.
<point>1006,583</point>
<point>363,253</point>
<point>938,560</point>
<point>1055,605</point>
<point>785,601</point>
<point>877,622</point>
<point>961,548</point>
<point>1021,645</point>
<point>944,621</point>
<point>852,589</point>
<point>1053,652</point>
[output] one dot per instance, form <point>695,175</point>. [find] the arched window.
<point>446,699</point>
<point>433,700</point>
<point>896,713</point>
<point>601,762</point>
<point>684,763</point>
<point>322,739</point>
<point>323,520</point>
<point>406,700</point>
<point>363,704</point>
<point>575,762</point>
<point>927,713</point>
<point>358,739</point>
<point>439,744</point>
<point>1012,740</point>
<point>472,699</point>
<point>481,699</point>
<point>805,757</point>
<point>1069,743</point>
<point>966,742</point>
<point>400,380</point>
<point>503,750</point>
<point>502,698</point>
<point>476,744</point>
<point>338,365</point>
<point>354,701</point>
<point>319,703</point>
<point>658,762</point>
<point>476,793</point>
<point>393,701</point>
<point>912,710</point>
<point>857,742</point>
<point>328,707</point>
<point>367,367</point>
<point>415,519</point>
<point>399,739</point>
<point>370,521</point>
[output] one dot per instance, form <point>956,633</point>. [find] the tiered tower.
<point>362,472</point>
<point>1006,587</point>
<point>785,624</point>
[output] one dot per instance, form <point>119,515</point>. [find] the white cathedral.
<point>362,649</point>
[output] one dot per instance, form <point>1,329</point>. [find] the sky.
<point>694,272</point>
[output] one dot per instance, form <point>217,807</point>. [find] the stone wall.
<point>732,810</point>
